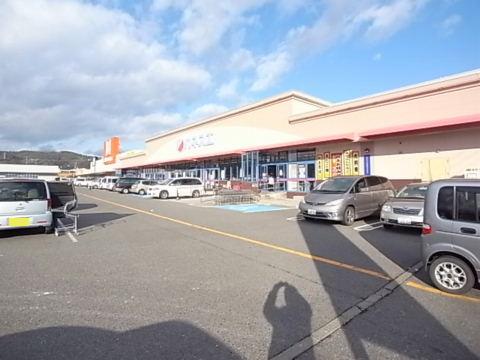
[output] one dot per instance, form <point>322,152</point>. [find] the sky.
<point>74,73</point>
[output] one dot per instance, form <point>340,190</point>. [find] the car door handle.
<point>466,230</point>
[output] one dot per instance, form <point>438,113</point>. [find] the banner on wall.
<point>326,165</point>
<point>336,164</point>
<point>355,163</point>
<point>320,164</point>
<point>347,162</point>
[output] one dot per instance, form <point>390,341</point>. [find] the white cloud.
<point>81,72</point>
<point>205,22</point>
<point>341,20</point>
<point>385,20</point>
<point>270,68</point>
<point>229,90</point>
<point>207,110</point>
<point>449,25</point>
<point>242,60</point>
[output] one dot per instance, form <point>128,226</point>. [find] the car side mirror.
<point>364,189</point>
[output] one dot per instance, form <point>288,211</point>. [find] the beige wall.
<point>297,119</point>
<point>427,157</point>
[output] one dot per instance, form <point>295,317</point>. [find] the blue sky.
<point>77,72</point>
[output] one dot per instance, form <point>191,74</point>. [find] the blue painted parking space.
<point>251,208</point>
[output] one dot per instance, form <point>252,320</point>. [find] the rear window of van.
<point>22,191</point>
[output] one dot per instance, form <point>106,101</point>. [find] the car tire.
<point>451,274</point>
<point>141,192</point>
<point>196,194</point>
<point>48,229</point>
<point>348,216</point>
<point>163,195</point>
<point>125,191</point>
<point>388,226</point>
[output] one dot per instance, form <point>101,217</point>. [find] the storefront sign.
<point>195,142</point>
<point>355,163</point>
<point>347,162</point>
<point>320,172</point>
<point>111,149</point>
<point>336,164</point>
<point>326,165</point>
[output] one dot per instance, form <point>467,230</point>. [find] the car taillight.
<point>49,204</point>
<point>426,229</point>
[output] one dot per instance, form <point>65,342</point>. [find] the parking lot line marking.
<point>439,292</point>
<point>69,234</point>
<point>253,241</point>
<point>292,252</point>
<point>369,227</point>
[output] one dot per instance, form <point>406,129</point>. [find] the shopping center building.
<point>291,141</point>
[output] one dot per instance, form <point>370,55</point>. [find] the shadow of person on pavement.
<point>166,340</point>
<point>295,315</point>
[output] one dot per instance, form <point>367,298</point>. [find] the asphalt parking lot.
<point>153,279</point>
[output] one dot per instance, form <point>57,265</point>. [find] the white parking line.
<point>296,218</point>
<point>369,227</point>
<point>69,234</point>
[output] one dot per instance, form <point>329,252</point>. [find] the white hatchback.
<point>25,204</point>
<point>177,187</point>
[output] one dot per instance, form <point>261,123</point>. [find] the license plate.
<point>24,221</point>
<point>311,212</point>
<point>405,221</point>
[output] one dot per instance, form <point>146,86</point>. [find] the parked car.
<point>178,187</point>
<point>347,198</point>
<point>108,182</point>
<point>123,185</point>
<point>406,208</point>
<point>80,181</point>
<point>93,183</point>
<point>451,234</point>
<point>141,186</point>
<point>26,203</point>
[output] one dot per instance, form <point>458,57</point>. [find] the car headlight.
<point>387,208</point>
<point>334,202</point>
<point>421,212</point>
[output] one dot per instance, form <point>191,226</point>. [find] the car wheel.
<point>141,192</point>
<point>125,191</point>
<point>348,216</point>
<point>387,226</point>
<point>48,229</point>
<point>164,195</point>
<point>195,193</point>
<point>452,275</point>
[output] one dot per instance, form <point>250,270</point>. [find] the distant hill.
<point>64,159</point>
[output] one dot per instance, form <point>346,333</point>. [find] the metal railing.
<point>230,197</point>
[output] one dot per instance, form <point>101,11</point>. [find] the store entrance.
<point>273,177</point>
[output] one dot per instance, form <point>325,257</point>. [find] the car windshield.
<point>413,191</point>
<point>22,191</point>
<point>336,185</point>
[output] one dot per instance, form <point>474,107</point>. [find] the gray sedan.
<point>405,209</point>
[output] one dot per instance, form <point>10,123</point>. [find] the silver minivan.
<point>347,198</point>
<point>451,234</point>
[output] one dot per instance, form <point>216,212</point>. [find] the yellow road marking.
<point>438,292</point>
<point>291,251</point>
<point>252,241</point>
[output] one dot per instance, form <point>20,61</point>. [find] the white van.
<point>108,182</point>
<point>177,187</point>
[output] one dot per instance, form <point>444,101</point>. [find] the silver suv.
<point>347,198</point>
<point>451,234</point>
